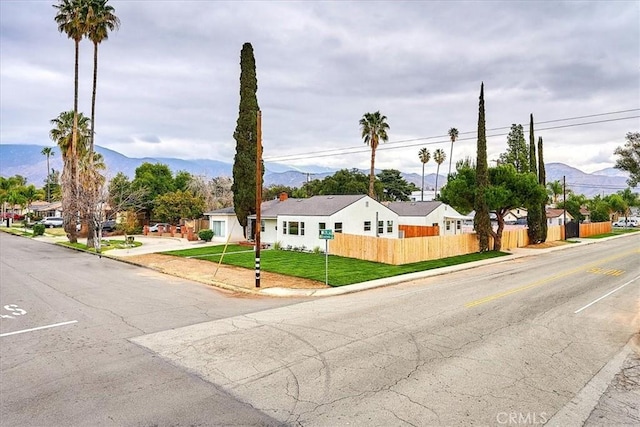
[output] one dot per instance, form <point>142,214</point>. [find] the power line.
<point>439,138</point>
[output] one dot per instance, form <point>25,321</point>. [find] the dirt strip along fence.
<point>416,249</point>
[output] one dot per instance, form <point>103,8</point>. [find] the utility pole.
<point>564,204</point>
<point>258,194</point>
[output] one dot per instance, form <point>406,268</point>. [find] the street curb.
<point>389,281</point>
<point>578,410</point>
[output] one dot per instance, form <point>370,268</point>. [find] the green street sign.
<point>326,234</point>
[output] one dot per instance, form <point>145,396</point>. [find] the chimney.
<point>283,196</point>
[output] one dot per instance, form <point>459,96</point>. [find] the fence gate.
<point>571,229</point>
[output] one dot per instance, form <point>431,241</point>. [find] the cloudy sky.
<point>169,78</point>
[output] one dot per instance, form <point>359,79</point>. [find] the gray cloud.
<point>169,78</point>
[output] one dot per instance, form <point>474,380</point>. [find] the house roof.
<point>39,207</point>
<point>224,211</point>
<point>413,208</point>
<point>316,206</point>
<point>555,213</point>
<point>313,206</point>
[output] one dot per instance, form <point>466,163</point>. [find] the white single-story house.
<point>514,215</point>
<point>432,213</point>
<point>225,225</point>
<point>43,209</point>
<point>298,222</point>
<point>557,216</point>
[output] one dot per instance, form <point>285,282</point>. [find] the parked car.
<point>165,227</point>
<point>13,216</point>
<point>630,222</point>
<point>52,221</point>
<point>109,225</point>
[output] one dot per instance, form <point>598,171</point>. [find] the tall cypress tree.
<point>481,221</point>
<point>533,211</point>
<point>542,180</point>
<point>244,162</point>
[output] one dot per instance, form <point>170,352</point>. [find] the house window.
<point>262,225</point>
<point>458,225</point>
<point>284,227</point>
<point>302,228</point>
<point>367,226</point>
<point>389,226</point>
<point>321,226</point>
<point>293,227</point>
<point>218,228</point>
<point>435,224</point>
<point>337,227</point>
<point>448,225</point>
<point>380,227</point>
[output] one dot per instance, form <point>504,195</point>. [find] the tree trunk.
<point>372,172</point>
<point>422,194</point>
<point>497,235</point>
<point>72,215</point>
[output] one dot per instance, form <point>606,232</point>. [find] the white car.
<point>631,222</point>
<point>52,221</point>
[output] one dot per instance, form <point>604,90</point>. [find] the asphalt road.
<point>503,344</point>
<point>81,369</point>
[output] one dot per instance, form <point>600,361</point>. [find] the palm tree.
<point>424,158</point>
<point>62,134</point>
<point>554,189</point>
<point>48,151</point>
<point>439,156</point>
<point>374,129</point>
<point>91,183</point>
<point>100,20</point>
<point>453,134</point>
<point>71,20</point>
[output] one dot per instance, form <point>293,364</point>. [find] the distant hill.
<point>27,160</point>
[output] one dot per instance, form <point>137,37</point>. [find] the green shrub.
<point>206,234</point>
<point>277,246</point>
<point>38,230</point>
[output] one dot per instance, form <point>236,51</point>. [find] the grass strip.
<point>342,271</point>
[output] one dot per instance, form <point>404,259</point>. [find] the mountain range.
<point>27,160</point>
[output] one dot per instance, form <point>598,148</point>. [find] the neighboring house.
<point>225,225</point>
<point>444,216</point>
<point>43,209</point>
<point>586,214</point>
<point>298,222</point>
<point>516,216</point>
<point>557,216</point>
<point>429,195</point>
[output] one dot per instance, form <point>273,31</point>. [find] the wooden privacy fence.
<point>416,249</point>
<point>419,230</point>
<point>594,228</point>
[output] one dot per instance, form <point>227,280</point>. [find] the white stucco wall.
<point>231,228</point>
<point>352,217</point>
<point>437,216</point>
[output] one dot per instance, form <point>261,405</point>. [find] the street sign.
<point>326,234</point>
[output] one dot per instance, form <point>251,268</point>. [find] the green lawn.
<point>616,231</point>
<point>342,271</point>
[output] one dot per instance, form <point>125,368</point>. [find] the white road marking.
<point>38,328</point>
<point>606,295</point>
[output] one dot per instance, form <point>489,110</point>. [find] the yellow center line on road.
<point>545,280</point>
